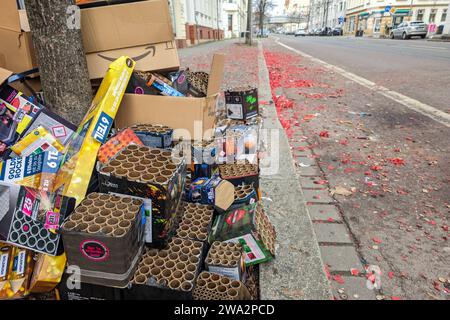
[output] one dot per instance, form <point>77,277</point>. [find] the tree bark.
<point>262,13</point>
<point>249,35</point>
<point>62,62</point>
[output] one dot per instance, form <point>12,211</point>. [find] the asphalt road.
<point>417,68</point>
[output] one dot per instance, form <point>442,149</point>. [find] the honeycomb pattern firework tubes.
<point>224,254</point>
<point>211,286</point>
<point>104,214</point>
<point>195,220</point>
<point>143,164</point>
<point>174,267</point>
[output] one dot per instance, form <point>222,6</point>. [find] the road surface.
<point>417,68</point>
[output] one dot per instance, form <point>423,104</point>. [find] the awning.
<point>402,12</point>
<point>363,14</point>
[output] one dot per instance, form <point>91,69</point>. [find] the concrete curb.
<point>298,271</point>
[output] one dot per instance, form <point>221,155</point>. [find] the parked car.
<point>336,31</point>
<point>289,33</point>
<point>311,32</point>
<point>408,29</point>
<point>323,31</point>
<point>300,33</point>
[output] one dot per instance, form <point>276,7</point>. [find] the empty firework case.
<point>226,259</point>
<point>154,138</point>
<point>47,272</point>
<point>214,191</point>
<point>240,174</point>
<point>6,260</point>
<point>118,142</point>
<point>165,198</point>
<point>167,274</point>
<point>35,171</point>
<point>244,195</point>
<point>241,226</point>
<point>108,259</point>
<point>33,221</point>
<point>205,159</point>
<point>81,152</point>
<point>22,267</point>
<point>164,88</point>
<point>37,141</point>
<point>242,103</point>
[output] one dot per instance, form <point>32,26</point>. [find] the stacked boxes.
<point>147,173</point>
<point>226,259</point>
<point>104,237</point>
<point>204,154</point>
<point>211,286</point>
<point>195,222</point>
<point>242,103</point>
<point>155,136</point>
<point>170,272</point>
<point>265,229</point>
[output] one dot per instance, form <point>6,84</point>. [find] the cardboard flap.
<point>216,74</point>
<point>224,196</point>
<point>9,16</point>
<point>4,75</point>
<point>126,25</point>
<point>24,24</point>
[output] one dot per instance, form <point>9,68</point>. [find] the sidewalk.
<point>298,271</point>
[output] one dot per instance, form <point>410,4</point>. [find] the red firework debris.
<point>397,161</point>
<point>338,279</point>
<point>377,240</point>
<point>324,134</point>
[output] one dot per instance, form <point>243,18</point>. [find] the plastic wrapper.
<point>37,141</point>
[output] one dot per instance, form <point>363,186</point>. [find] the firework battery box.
<point>148,174</point>
<point>204,159</point>
<point>164,88</point>
<point>242,103</point>
<point>167,274</point>
<point>214,191</point>
<point>47,272</point>
<point>154,136</point>
<point>104,237</point>
<point>226,259</point>
<point>244,195</point>
<point>240,174</point>
<point>81,153</point>
<point>33,222</point>
<point>115,144</point>
<point>72,289</point>
<point>250,227</point>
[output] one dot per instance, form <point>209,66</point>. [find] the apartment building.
<point>377,17</point>
<point>234,17</point>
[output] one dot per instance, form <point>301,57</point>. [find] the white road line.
<point>427,110</point>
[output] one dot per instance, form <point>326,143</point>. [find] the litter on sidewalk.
<point>155,195</point>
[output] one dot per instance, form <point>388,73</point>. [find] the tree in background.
<point>62,63</point>
<point>248,36</point>
<point>262,8</point>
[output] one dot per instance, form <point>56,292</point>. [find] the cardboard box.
<point>191,118</point>
<point>16,48</point>
<point>141,30</point>
<point>242,105</point>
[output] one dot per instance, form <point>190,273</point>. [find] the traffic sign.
<point>392,10</point>
<point>387,8</point>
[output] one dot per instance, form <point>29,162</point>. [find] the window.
<point>444,15</point>
<point>230,22</point>
<point>420,14</point>
<point>432,15</point>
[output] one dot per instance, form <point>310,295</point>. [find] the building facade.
<point>234,17</point>
<point>377,18</point>
<point>327,13</point>
<point>197,21</point>
<point>298,13</point>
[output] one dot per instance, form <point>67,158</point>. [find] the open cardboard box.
<point>191,118</point>
<point>141,30</point>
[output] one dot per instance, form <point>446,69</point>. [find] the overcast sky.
<point>279,8</point>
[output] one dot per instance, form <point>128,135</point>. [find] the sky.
<point>279,8</point>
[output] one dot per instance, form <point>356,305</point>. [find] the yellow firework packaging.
<point>81,152</point>
<point>22,268</point>
<point>37,141</point>
<point>6,257</point>
<point>47,273</point>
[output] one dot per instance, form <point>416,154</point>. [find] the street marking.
<point>427,110</point>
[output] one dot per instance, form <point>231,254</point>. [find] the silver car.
<point>408,29</point>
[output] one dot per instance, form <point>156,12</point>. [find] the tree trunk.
<point>249,35</point>
<point>262,13</point>
<point>62,62</point>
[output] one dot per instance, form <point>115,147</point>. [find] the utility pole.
<point>248,35</point>
<point>62,62</point>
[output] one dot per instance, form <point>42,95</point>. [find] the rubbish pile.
<point>131,203</point>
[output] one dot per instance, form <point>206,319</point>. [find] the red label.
<point>94,250</point>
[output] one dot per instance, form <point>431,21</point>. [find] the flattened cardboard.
<point>151,57</point>
<point>191,118</point>
<point>126,25</point>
